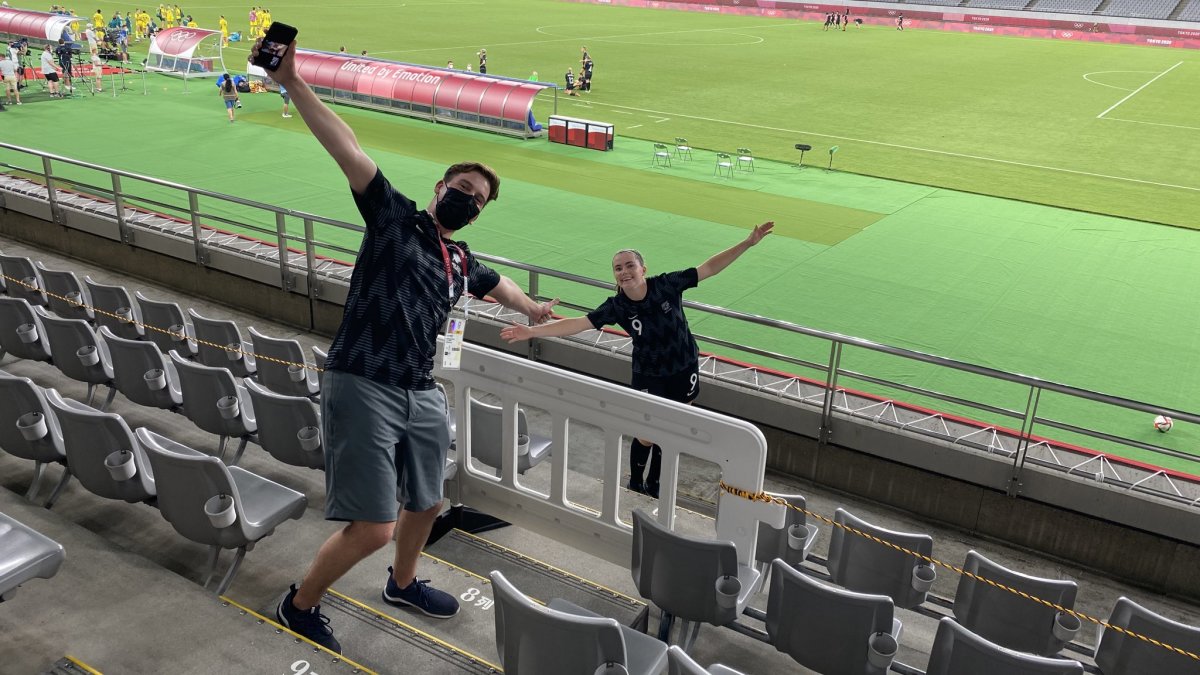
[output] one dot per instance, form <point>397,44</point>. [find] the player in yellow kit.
<point>223,25</point>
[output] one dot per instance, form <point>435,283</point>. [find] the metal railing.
<point>1015,422</point>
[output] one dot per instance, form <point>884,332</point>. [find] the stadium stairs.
<point>128,598</point>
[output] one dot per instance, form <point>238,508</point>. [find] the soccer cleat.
<point>420,596</point>
<point>310,623</point>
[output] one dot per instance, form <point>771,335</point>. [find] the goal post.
<point>186,53</point>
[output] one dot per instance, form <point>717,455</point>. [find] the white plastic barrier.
<point>736,446</point>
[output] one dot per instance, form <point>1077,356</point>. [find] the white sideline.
<point>1135,91</point>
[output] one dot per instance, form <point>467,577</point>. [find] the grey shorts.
<point>383,445</point>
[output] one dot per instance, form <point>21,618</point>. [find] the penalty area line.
<point>1135,91</point>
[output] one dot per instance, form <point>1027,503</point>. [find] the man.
<point>482,61</point>
<point>49,71</point>
<point>63,52</point>
<point>8,73</point>
<point>900,22</point>
<point>223,26</point>
<point>384,424</point>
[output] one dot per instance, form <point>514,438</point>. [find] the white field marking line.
<point>622,112</point>
<point>633,126</point>
<point>593,38</point>
<point>1105,72</point>
<point>908,147</point>
<point>1157,124</point>
<point>660,120</point>
<point>1135,91</point>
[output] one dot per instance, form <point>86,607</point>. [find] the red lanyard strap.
<point>450,270</point>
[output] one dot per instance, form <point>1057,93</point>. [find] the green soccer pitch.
<point>953,254</point>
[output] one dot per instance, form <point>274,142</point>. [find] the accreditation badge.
<point>452,346</point>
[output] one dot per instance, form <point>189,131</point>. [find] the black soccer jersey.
<point>662,342</point>
<point>399,294</point>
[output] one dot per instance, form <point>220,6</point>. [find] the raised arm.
<point>509,294</point>
<point>722,260</point>
<point>560,328</point>
<point>334,135</point>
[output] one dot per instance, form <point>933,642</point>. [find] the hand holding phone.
<point>274,46</point>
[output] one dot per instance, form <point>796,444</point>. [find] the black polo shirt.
<point>662,342</point>
<point>399,295</point>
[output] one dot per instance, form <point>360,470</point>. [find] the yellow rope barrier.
<point>146,326</point>
<point>764,497</point>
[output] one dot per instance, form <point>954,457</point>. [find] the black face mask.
<point>455,209</point>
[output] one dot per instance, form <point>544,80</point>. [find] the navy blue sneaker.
<point>310,623</point>
<point>421,596</point>
<point>637,486</point>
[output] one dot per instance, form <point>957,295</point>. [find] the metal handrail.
<point>837,342</point>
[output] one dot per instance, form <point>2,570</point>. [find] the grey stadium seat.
<point>29,430</point>
<point>166,326</point>
<point>957,650</point>
<point>216,403</point>
<point>211,337</point>
<point>79,353</point>
<point>860,564</point>
<point>319,356</point>
<point>283,421</point>
<point>273,371</point>
<point>65,296</point>
<point>92,440</point>
<point>19,323</point>
<point>25,554</point>
<point>1008,619</point>
<point>142,373</point>
<point>1121,654</point>
<point>115,300</point>
<point>681,574</point>
<point>563,638</point>
<point>487,428</point>
<point>191,485</point>
<point>792,543</point>
<point>20,269</point>
<point>829,629</point>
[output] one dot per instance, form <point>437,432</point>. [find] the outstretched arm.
<point>560,328</point>
<point>334,134</point>
<point>509,294</point>
<point>722,260</point>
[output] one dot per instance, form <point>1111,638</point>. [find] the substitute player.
<point>666,361</point>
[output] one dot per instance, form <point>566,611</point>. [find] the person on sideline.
<point>49,71</point>
<point>8,72</point>
<point>384,422</point>
<point>223,26</point>
<point>287,100</point>
<point>666,360</point>
<point>229,94</point>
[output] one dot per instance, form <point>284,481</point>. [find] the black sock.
<point>638,454</point>
<point>655,470</point>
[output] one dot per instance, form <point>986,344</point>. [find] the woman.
<point>666,361</point>
<point>230,95</point>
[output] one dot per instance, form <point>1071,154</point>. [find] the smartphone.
<point>275,45</point>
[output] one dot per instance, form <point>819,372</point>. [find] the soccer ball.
<point>1163,423</point>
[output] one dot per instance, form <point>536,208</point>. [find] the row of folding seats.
<point>213,342</point>
<point>204,500</point>
<point>992,629</point>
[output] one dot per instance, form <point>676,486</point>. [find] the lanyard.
<point>450,269</point>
